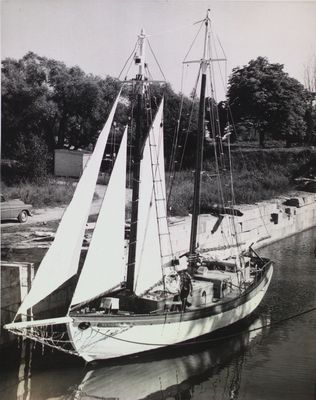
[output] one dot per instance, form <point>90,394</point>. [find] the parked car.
<point>15,208</point>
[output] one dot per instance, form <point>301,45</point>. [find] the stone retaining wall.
<point>261,224</point>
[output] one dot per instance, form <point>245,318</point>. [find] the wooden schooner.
<point>114,313</point>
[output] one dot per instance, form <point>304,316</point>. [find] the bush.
<point>258,175</point>
<point>52,193</point>
<point>31,164</point>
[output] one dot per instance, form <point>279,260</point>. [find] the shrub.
<point>258,175</point>
<point>51,193</point>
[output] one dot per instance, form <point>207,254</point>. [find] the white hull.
<point>117,337</point>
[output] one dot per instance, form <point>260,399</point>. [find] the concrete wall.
<point>16,279</point>
<point>15,283</point>
<point>261,224</point>
<point>70,162</point>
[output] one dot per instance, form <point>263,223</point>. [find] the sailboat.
<point>124,305</point>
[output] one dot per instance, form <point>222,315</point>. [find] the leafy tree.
<point>44,102</point>
<point>310,116</point>
<point>183,126</point>
<point>26,108</point>
<point>263,95</point>
<point>34,164</point>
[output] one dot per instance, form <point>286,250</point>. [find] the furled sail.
<point>104,265</point>
<point>153,240</point>
<point>61,260</point>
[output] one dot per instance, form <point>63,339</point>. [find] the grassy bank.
<point>258,175</point>
<point>51,194</point>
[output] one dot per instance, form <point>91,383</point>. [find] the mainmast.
<point>199,148</point>
<point>137,155</point>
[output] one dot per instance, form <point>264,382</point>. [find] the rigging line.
<point>232,194</point>
<point>261,216</point>
<point>130,147</point>
<point>216,117</point>
<point>156,59</point>
<point>231,173</point>
<point>215,121</point>
<point>219,182</point>
<point>175,142</point>
<point>190,118</point>
<point>225,90</point>
<point>141,243</point>
<point>154,158</point>
<point>149,73</point>
<point>168,31</point>
<point>133,52</point>
<point>175,137</point>
<point>215,126</point>
<point>44,341</point>
<point>192,44</point>
<point>235,132</point>
<point>270,324</point>
<point>223,231</point>
<point>90,396</point>
<point>220,46</point>
<point>218,63</point>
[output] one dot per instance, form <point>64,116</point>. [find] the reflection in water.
<point>274,365</point>
<point>24,375</point>
<point>170,377</point>
<point>176,374</point>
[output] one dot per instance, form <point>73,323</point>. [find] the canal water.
<point>271,355</point>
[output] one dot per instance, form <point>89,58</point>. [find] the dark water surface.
<point>254,361</point>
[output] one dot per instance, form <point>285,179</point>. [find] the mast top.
<point>140,57</point>
<point>205,60</point>
<point>208,12</point>
<point>142,33</point>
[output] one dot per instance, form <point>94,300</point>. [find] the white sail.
<point>61,260</point>
<point>153,241</point>
<point>104,265</point>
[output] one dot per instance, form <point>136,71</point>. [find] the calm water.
<point>275,362</point>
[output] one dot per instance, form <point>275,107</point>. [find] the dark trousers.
<point>183,296</point>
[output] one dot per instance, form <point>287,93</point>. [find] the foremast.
<point>137,155</point>
<point>199,148</point>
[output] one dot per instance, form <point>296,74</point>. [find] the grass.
<point>258,175</point>
<point>53,193</point>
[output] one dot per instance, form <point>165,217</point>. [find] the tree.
<point>310,116</point>
<point>263,95</point>
<point>26,107</point>
<point>179,130</point>
<point>83,103</point>
<point>44,102</point>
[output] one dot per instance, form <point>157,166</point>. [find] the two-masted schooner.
<point>121,308</point>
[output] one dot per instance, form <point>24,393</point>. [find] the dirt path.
<point>43,222</point>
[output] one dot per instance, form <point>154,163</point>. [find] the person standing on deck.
<point>185,288</point>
